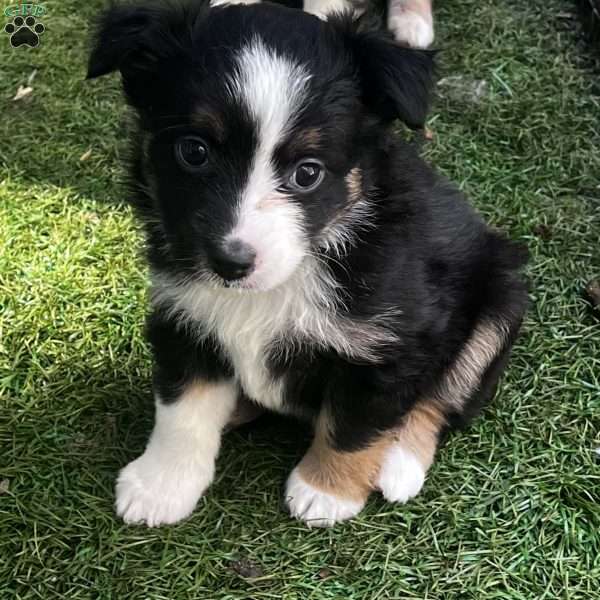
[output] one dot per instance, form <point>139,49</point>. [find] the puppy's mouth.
<point>255,282</point>
<point>210,278</point>
<point>207,277</point>
<point>243,285</point>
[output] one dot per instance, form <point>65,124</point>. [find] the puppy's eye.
<point>307,175</point>
<point>191,152</point>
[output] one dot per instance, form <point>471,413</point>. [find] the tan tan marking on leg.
<point>410,453</point>
<point>464,375</point>
<point>344,474</point>
<point>353,474</point>
<point>420,430</point>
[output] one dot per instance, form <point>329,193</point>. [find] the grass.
<point>511,508</point>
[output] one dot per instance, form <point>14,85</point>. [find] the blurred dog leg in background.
<point>411,21</point>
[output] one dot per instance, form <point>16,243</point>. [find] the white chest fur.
<point>245,327</point>
<point>305,309</point>
<point>246,323</point>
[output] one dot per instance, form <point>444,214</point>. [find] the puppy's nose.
<point>233,259</point>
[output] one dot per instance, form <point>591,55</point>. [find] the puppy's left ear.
<point>396,81</point>
<point>120,33</point>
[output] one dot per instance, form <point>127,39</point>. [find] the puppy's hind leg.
<point>410,453</point>
<point>473,374</point>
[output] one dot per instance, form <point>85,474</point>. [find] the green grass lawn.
<point>512,507</point>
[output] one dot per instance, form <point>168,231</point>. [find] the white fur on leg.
<point>411,28</point>
<point>316,507</point>
<point>222,2</point>
<point>322,8</point>
<point>401,475</point>
<point>164,484</point>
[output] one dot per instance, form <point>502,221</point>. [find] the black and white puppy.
<point>303,259</point>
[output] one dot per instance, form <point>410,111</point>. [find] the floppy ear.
<point>396,81</point>
<point>134,37</point>
<point>120,35</point>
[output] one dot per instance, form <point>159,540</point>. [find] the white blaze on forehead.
<point>273,89</point>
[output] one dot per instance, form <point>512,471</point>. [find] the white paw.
<point>401,476</point>
<point>323,8</point>
<point>159,492</point>
<point>412,29</point>
<point>315,507</point>
<point>222,2</point>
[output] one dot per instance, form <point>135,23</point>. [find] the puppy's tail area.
<point>472,379</point>
<point>506,296</point>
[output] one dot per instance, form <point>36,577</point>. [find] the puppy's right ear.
<point>396,81</point>
<point>120,36</point>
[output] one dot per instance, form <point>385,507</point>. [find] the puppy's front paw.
<point>316,507</point>
<point>401,475</point>
<point>159,492</point>
<point>412,29</point>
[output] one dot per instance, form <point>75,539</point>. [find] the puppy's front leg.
<point>164,484</point>
<point>331,485</point>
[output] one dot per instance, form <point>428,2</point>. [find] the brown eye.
<point>307,175</point>
<point>191,152</point>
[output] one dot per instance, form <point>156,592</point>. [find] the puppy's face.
<point>249,176</point>
<point>253,128</point>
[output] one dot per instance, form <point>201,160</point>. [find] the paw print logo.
<point>24,32</point>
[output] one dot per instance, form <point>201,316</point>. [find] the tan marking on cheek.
<point>271,201</point>
<point>343,474</point>
<point>354,184</point>
<point>312,138</point>
<point>306,141</point>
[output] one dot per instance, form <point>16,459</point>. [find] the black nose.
<point>233,259</point>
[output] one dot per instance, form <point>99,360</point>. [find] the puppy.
<point>303,259</point>
<point>411,21</point>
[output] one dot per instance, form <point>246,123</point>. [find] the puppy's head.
<point>253,126</point>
